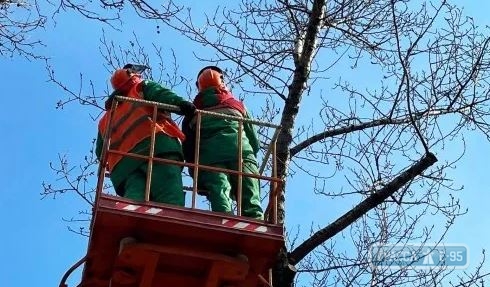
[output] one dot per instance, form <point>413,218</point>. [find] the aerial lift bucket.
<point>147,244</point>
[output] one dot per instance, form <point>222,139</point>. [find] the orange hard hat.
<point>123,79</point>
<point>210,76</point>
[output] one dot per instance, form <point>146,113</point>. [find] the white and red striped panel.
<point>226,222</point>
<point>244,225</point>
<point>138,208</point>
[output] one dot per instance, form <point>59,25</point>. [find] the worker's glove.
<point>187,108</point>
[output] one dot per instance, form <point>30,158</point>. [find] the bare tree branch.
<point>362,208</point>
<point>18,19</point>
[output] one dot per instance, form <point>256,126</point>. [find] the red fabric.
<point>224,99</point>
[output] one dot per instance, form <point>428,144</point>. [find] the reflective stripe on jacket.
<point>132,123</point>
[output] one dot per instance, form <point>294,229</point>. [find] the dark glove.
<point>187,108</point>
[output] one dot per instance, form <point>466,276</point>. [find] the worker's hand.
<point>187,108</point>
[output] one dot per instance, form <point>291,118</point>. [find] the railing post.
<point>274,184</point>
<point>240,168</point>
<point>105,151</point>
<point>196,158</point>
<point>152,154</point>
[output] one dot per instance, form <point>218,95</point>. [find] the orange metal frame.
<point>179,246</point>
<point>271,150</point>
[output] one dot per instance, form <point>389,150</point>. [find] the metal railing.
<point>273,180</point>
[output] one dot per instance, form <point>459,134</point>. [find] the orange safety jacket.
<point>132,123</point>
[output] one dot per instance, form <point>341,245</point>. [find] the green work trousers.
<point>166,183</point>
<point>220,186</point>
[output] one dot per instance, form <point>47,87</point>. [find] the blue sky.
<point>36,246</point>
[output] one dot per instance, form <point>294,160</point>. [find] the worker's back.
<point>219,141</point>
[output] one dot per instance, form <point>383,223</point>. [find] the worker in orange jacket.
<point>131,132</point>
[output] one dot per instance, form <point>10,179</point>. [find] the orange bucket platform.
<point>156,245</point>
